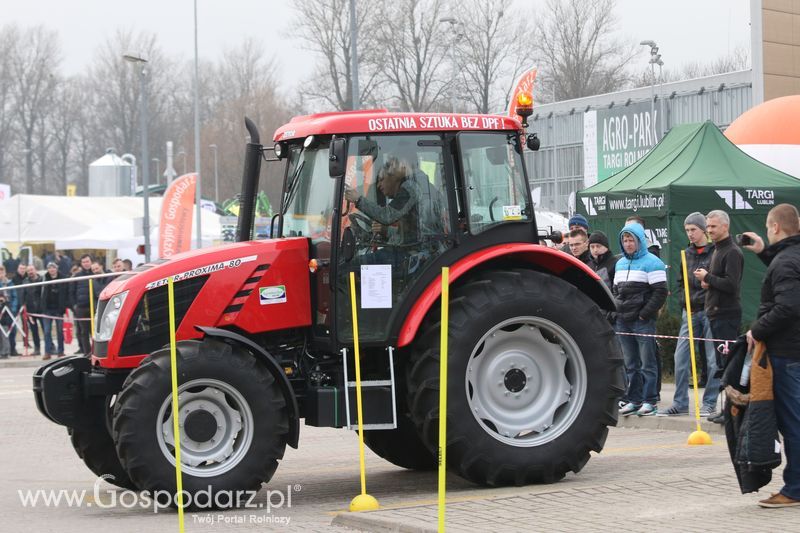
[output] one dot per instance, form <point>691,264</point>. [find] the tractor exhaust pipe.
<point>252,169</point>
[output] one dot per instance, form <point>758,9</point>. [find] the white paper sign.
<point>376,286</point>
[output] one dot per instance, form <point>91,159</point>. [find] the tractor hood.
<point>253,286</point>
<point>197,263</point>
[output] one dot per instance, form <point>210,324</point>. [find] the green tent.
<point>694,168</point>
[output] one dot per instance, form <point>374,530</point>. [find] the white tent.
<point>73,222</point>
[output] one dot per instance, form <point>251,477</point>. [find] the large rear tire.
<point>401,446</point>
<point>533,379</point>
<point>234,422</point>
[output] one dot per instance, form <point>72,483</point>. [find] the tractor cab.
<point>393,201</point>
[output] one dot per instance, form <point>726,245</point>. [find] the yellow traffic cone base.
<point>699,438</point>
<point>363,502</point>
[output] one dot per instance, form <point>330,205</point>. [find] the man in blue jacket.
<point>640,287</point>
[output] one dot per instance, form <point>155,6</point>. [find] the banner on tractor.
<point>175,230</point>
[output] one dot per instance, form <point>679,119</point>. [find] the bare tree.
<point>34,61</point>
<point>579,55</point>
<point>116,85</point>
<point>414,49</point>
<point>323,26</point>
<point>8,36</point>
<point>244,84</point>
<point>486,52</point>
<point>64,122</point>
<point>89,139</point>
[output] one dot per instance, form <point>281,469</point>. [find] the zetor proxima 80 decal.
<point>208,269</point>
<point>265,332</point>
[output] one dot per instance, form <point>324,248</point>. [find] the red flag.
<point>175,230</point>
<point>524,85</point>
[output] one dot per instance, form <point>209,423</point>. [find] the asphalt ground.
<point>645,480</point>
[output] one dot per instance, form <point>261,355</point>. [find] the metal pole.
<point>216,173</point>
<point>661,97</point>
<point>145,165</point>
<point>354,54</point>
<point>652,89</point>
<point>157,161</point>
<point>555,151</point>
<point>199,189</point>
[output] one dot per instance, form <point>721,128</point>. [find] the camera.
<point>743,240</point>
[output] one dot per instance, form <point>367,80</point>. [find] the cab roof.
<point>382,121</point>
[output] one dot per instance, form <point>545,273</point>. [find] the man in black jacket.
<point>53,304</point>
<point>723,278</point>
<point>698,255</point>
<point>79,299</point>
<point>722,281</point>
<point>603,261</point>
<point>31,300</point>
<point>579,245</point>
<point>778,326</point>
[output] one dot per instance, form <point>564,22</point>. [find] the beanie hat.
<point>578,220</point>
<point>598,237</point>
<point>696,219</point>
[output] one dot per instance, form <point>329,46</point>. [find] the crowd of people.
<point>47,306</point>
<point>715,264</point>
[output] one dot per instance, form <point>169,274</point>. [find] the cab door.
<point>395,231</point>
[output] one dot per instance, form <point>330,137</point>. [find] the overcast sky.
<point>685,30</point>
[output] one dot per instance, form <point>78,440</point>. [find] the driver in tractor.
<point>400,226</point>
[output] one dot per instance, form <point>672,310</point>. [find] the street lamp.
<point>141,63</point>
<point>456,36</point>
<point>158,170</point>
<point>182,153</point>
<point>216,173</point>
<point>198,191</point>
<point>655,59</point>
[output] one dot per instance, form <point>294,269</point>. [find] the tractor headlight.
<point>107,322</point>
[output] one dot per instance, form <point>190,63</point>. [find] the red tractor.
<point>264,328</point>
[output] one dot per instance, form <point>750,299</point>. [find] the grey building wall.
<point>556,170</point>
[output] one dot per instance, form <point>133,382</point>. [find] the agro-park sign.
<point>616,138</point>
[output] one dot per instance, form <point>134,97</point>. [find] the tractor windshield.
<point>308,195</point>
<point>496,187</point>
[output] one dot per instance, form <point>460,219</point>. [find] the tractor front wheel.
<point>233,422</point>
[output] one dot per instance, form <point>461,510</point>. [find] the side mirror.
<point>337,157</point>
<point>554,236</point>
<point>533,142</point>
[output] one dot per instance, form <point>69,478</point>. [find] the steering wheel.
<point>362,227</point>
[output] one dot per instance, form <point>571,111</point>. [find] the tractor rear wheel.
<point>401,446</point>
<point>533,379</point>
<point>233,419</point>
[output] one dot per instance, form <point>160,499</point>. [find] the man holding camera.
<point>778,326</point>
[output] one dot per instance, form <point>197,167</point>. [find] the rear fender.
<point>274,369</point>
<point>534,256</point>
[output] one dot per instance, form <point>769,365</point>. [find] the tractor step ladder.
<point>366,384</point>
